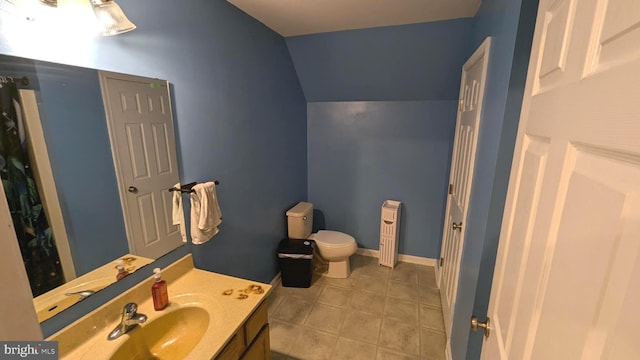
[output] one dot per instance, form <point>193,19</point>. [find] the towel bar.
<point>187,188</point>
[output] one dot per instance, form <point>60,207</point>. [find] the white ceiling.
<point>301,17</point>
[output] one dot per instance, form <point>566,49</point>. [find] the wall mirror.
<point>59,111</point>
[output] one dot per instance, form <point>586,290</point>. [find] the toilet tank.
<point>300,221</point>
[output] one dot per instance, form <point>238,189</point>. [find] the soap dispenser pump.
<point>159,291</point>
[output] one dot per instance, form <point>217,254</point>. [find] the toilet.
<point>335,247</point>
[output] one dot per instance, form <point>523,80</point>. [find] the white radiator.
<point>389,230</point>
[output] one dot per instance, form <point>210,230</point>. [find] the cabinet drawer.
<point>255,323</point>
<point>260,348</point>
<point>233,349</point>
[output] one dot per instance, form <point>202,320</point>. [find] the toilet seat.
<point>333,239</point>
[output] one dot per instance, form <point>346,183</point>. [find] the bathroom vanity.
<point>251,341</point>
<point>210,316</point>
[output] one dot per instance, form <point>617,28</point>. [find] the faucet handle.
<point>130,310</point>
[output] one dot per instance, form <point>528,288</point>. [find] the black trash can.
<point>295,258</point>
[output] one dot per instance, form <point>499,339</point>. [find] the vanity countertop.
<point>228,300</point>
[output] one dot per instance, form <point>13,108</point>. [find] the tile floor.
<point>377,313</point>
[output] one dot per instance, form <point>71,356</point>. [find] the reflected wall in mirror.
<point>69,105</point>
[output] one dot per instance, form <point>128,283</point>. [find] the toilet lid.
<point>331,238</point>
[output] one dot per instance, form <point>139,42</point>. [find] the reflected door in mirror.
<point>143,144</point>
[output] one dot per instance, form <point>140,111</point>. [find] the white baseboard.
<point>374,253</point>
<point>405,258</point>
<point>367,252</point>
<point>276,280</point>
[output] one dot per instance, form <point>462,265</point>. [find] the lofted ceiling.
<point>301,17</point>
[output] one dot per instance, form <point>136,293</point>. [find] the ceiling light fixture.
<point>52,3</point>
<point>111,18</point>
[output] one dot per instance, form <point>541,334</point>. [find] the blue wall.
<point>240,112</point>
<point>362,153</point>
<point>396,142</point>
<point>511,24</point>
<point>407,62</point>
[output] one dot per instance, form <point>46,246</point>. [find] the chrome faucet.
<point>130,318</point>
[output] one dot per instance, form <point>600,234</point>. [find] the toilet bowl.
<point>335,247</point>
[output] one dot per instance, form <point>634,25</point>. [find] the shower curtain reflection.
<point>35,238</point>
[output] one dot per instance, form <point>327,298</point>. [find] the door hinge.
<point>461,105</point>
<point>441,261</point>
<point>450,189</point>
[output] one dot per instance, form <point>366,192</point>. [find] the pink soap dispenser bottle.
<point>121,271</point>
<point>159,291</point>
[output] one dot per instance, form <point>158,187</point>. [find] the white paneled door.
<point>461,176</point>
<point>567,278</point>
<point>144,151</point>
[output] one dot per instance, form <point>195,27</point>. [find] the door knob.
<point>132,189</point>
<point>475,324</point>
<point>457,226</point>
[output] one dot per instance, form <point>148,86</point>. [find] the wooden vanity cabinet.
<point>251,341</point>
<point>259,348</point>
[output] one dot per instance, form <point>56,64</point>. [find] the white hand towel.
<point>178,213</point>
<point>206,215</point>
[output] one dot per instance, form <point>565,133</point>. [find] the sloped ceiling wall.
<point>396,63</point>
<point>294,17</point>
